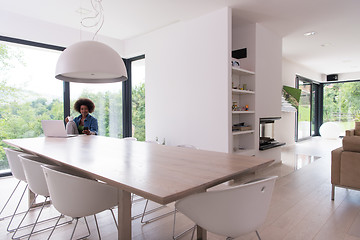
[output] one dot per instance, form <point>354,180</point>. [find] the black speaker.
<point>332,77</point>
<point>240,53</point>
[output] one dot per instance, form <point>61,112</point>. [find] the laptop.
<point>55,128</point>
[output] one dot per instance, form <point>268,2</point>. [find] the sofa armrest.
<point>351,143</point>
<point>350,132</point>
<point>335,165</point>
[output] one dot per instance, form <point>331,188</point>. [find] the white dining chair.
<point>232,212</point>
<point>37,184</point>
<point>75,195</point>
<point>18,173</point>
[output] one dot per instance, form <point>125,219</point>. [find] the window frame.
<point>127,97</point>
<point>126,86</point>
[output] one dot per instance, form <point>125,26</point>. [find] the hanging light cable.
<point>91,61</point>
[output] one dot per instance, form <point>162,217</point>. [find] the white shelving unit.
<point>242,132</point>
<point>242,72</point>
<point>243,96</point>
<point>237,91</point>
<point>243,112</point>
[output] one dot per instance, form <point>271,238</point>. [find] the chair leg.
<point>97,227</point>
<point>19,226</point>
<point>12,218</point>
<point>142,215</point>
<point>184,232</point>
<point>55,226</point>
<point>193,232</point>
<point>87,226</point>
<point>333,192</point>
<point>151,211</point>
<point>37,219</point>
<point>9,200</point>
<point>72,234</point>
<point>257,234</point>
<point>112,213</point>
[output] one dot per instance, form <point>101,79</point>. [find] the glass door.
<point>309,114</point>
<point>304,110</point>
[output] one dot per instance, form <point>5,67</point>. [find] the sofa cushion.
<point>357,129</point>
<point>351,143</point>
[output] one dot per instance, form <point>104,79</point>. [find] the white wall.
<point>268,70</point>
<point>243,36</point>
<point>285,127</point>
<point>264,49</point>
<point>187,72</point>
<point>22,27</point>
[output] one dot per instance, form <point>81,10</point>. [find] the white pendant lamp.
<point>90,62</point>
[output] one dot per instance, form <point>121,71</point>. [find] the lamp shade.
<point>90,62</point>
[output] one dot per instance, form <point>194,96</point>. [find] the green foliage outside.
<point>342,103</point>
<point>304,113</point>
<point>21,111</point>
<point>138,112</point>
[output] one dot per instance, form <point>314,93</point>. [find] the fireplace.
<point>267,129</point>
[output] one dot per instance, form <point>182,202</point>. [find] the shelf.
<point>234,133</point>
<point>237,91</point>
<point>242,71</point>
<point>242,112</point>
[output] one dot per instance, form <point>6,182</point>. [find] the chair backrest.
<point>77,196</point>
<point>15,165</point>
<point>34,173</point>
<point>231,212</point>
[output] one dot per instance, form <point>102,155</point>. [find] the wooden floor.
<point>301,207</point>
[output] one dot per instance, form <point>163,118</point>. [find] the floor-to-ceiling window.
<point>326,102</point>
<point>304,110</point>
<point>29,92</point>
<point>108,105</point>
<point>138,98</point>
<point>341,104</point>
<point>308,118</point>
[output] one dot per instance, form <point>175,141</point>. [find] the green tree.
<point>138,111</point>
<point>342,103</point>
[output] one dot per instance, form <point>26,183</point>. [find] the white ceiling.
<point>335,48</point>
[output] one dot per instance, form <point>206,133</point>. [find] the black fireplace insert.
<point>267,128</point>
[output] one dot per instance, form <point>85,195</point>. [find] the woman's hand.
<point>87,132</point>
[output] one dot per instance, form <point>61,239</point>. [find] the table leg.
<point>201,233</point>
<point>124,215</point>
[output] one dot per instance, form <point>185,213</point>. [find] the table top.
<point>160,173</point>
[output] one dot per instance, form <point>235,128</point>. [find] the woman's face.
<point>84,110</point>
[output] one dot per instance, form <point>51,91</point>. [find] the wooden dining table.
<point>162,174</point>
